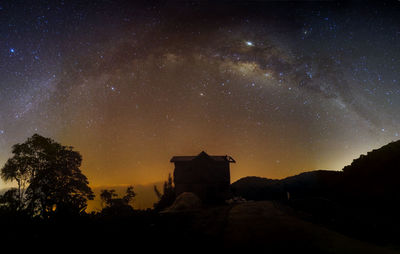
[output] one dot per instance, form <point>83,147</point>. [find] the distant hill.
<point>258,188</point>
<point>313,183</point>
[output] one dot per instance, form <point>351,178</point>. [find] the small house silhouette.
<point>206,176</point>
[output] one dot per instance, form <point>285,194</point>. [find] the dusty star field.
<point>281,87</point>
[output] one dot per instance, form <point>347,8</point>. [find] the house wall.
<point>209,180</point>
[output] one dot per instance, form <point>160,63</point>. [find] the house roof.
<point>203,154</point>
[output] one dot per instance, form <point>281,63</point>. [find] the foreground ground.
<point>272,227</point>
<point>264,225</point>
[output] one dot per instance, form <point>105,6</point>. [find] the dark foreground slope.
<point>265,227</point>
<point>268,226</point>
<point>375,176</point>
<point>361,201</point>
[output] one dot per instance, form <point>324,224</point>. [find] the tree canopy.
<point>48,177</point>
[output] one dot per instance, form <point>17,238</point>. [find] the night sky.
<point>281,87</point>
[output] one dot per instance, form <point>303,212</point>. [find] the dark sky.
<point>282,87</point>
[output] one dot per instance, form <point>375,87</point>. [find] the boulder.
<point>185,201</point>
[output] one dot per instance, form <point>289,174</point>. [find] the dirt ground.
<point>267,226</point>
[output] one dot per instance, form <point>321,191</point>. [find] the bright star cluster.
<point>282,87</point>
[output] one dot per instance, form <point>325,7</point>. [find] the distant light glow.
<point>249,43</point>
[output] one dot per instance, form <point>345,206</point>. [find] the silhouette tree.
<point>168,196</point>
<point>106,197</point>
<point>115,205</point>
<point>130,194</point>
<point>20,168</point>
<point>48,176</point>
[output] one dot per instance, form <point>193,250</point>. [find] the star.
<point>268,75</point>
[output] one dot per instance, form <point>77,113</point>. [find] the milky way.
<point>281,87</point>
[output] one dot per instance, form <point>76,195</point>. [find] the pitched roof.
<point>203,154</point>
